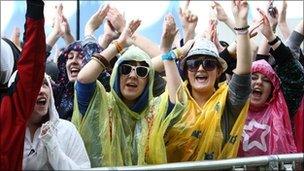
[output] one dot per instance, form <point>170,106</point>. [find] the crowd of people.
<point>123,100</point>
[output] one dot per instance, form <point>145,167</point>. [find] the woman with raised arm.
<point>211,125</point>
<point>291,75</point>
<point>117,126</point>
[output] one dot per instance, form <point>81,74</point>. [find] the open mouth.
<point>74,71</point>
<point>131,85</point>
<point>257,92</point>
<point>41,101</point>
<point>201,78</point>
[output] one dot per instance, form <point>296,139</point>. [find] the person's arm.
<point>291,74</point>
<point>223,17</point>
<point>289,69</point>
<point>296,37</point>
<point>189,22</point>
<point>74,157</point>
<point>31,65</point>
<point>172,75</point>
<point>96,20</point>
<point>240,12</point>
<point>118,23</point>
<point>65,28</point>
<point>90,72</point>
<point>108,36</point>
<point>283,26</point>
<point>146,45</point>
<point>241,77</point>
<point>56,32</point>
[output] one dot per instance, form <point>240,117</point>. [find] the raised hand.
<point>252,29</point>
<point>220,12</point>
<point>273,19</point>
<point>109,31</point>
<point>117,20</point>
<point>57,20</point>
<point>96,20</point>
<point>125,39</point>
<point>240,12</point>
<point>169,33</point>
<point>183,51</point>
<point>282,12</point>
<point>265,28</point>
<point>188,20</point>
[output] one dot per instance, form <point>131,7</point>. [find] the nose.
<point>132,73</point>
<point>42,90</point>
<point>259,81</point>
<point>200,67</point>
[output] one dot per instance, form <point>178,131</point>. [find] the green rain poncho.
<point>116,136</point>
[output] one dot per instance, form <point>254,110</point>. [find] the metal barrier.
<point>272,162</point>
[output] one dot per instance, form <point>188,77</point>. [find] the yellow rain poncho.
<point>116,136</point>
<point>198,135</point>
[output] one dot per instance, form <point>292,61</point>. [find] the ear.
<point>219,72</point>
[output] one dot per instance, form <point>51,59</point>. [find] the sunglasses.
<point>208,64</point>
<point>141,71</point>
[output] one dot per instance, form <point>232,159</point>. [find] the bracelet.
<point>100,63</point>
<point>242,28</point>
<point>274,41</point>
<point>241,32</point>
<point>169,56</point>
<point>102,60</point>
<point>119,48</point>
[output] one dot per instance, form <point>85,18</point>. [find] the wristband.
<point>169,56</point>
<point>118,47</point>
<point>242,28</point>
<point>274,41</point>
<point>102,60</point>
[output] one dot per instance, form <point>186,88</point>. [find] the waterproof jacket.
<point>267,129</point>
<point>115,135</point>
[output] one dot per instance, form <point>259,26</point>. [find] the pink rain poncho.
<point>267,129</point>
<point>299,128</point>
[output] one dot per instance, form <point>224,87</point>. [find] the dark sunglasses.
<point>208,64</point>
<point>141,71</point>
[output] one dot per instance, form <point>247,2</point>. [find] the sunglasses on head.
<point>141,71</point>
<point>208,64</point>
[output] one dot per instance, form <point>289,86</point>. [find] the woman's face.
<point>42,103</point>
<point>202,73</point>
<point>74,64</point>
<point>261,89</point>
<point>133,80</point>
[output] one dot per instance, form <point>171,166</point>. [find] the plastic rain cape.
<point>267,129</point>
<point>198,136</point>
<point>116,136</point>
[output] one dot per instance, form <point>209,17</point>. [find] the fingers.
<point>263,14</point>
<point>133,25</point>
<point>103,12</point>
<point>187,5</point>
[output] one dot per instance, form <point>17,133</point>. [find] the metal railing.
<point>271,162</point>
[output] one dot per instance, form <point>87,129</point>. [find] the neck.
<point>33,127</point>
<point>201,97</point>
<point>129,103</point>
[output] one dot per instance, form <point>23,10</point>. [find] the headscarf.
<point>64,90</point>
<point>116,135</point>
<point>267,129</point>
